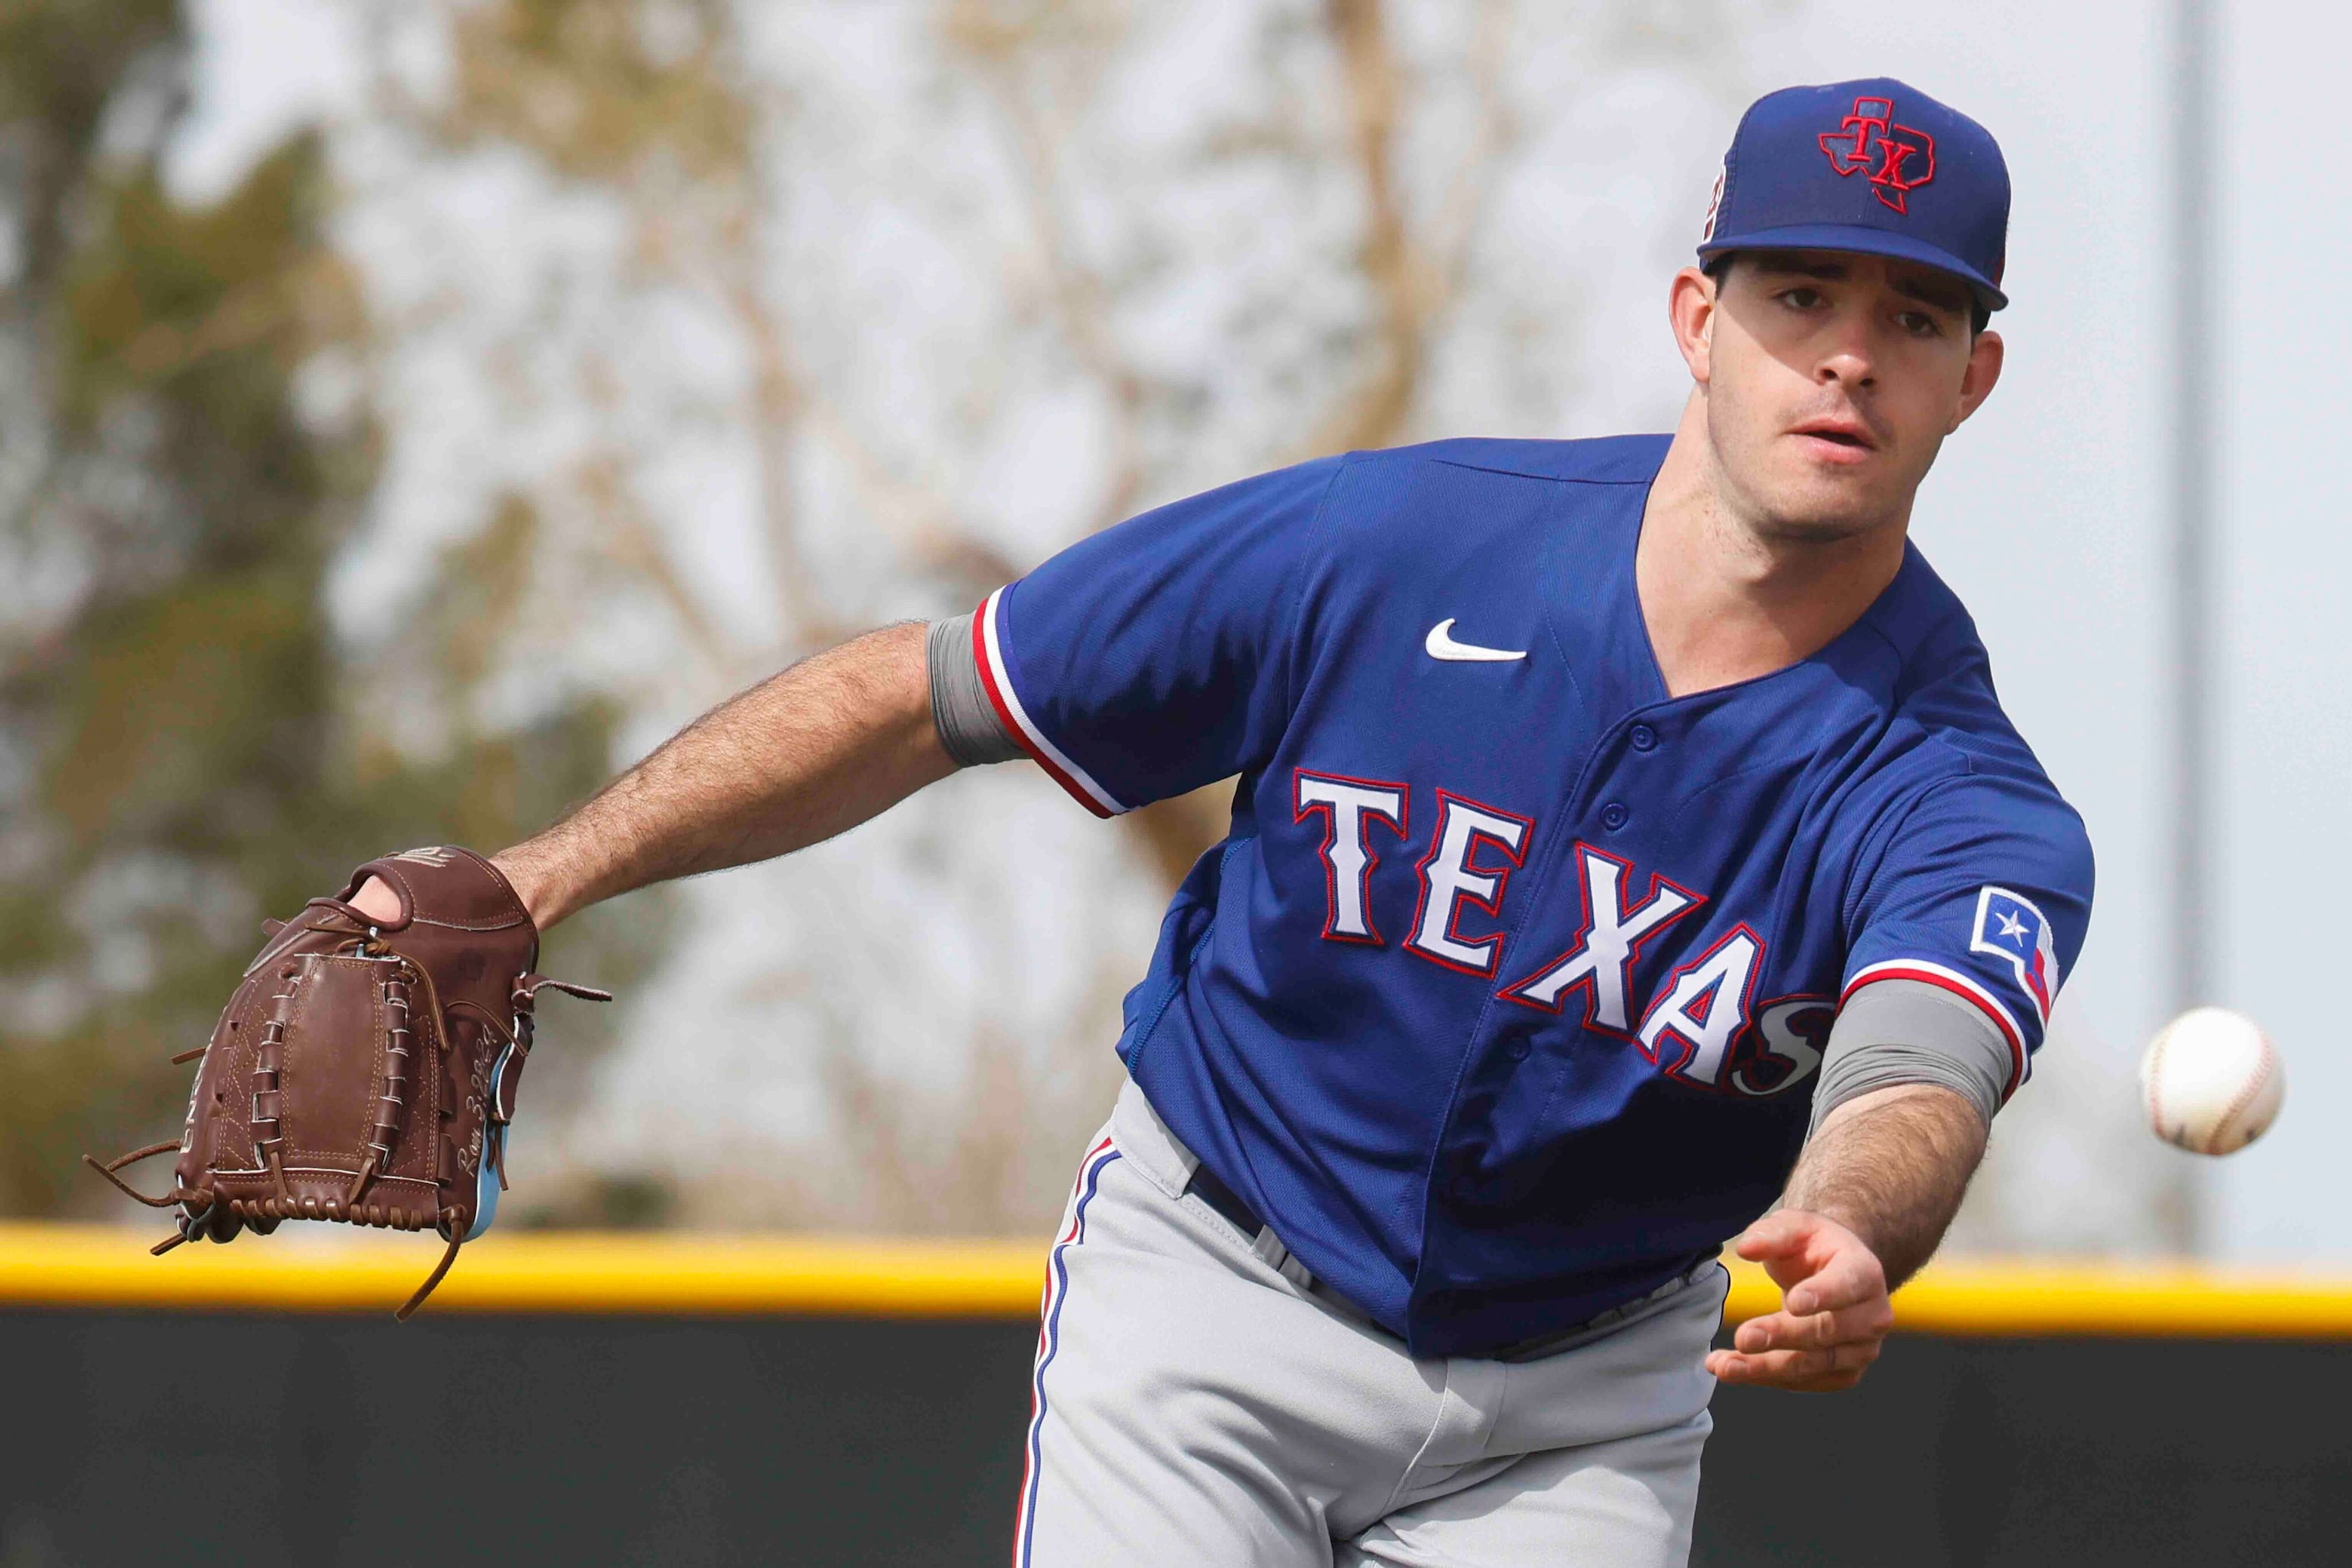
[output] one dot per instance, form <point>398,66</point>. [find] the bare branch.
<point>1465,193</point>
<point>1077,295</point>
<point>1375,409</point>
<point>633,543</point>
<point>1413,282</point>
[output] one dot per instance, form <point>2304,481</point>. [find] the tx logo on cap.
<point>1899,158</point>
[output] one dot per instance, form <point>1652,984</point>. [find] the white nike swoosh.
<point>1440,645</point>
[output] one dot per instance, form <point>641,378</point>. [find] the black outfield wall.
<point>321,1440</point>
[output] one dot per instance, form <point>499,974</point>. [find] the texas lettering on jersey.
<point>1701,1026</point>
<point>1505,999</point>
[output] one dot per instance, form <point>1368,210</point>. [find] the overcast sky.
<point>2046,511</point>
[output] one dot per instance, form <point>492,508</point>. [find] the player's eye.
<point>1920,324</point>
<point>1802,298</point>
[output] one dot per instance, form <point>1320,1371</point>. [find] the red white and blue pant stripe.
<point>1049,1333</point>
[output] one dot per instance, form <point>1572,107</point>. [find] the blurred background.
<point>410,413</point>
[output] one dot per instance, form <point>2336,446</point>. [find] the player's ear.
<point>1690,309</point>
<point>1985,357</point>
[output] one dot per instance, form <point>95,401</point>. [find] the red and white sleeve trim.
<point>1961,986</point>
<point>987,651</point>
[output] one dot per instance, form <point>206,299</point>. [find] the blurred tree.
<point>184,746</point>
<point>601,356</point>
<point>795,318</point>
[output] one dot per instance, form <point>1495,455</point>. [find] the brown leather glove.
<point>364,1071</point>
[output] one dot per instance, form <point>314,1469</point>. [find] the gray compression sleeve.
<point>969,728</point>
<point>1908,1031</point>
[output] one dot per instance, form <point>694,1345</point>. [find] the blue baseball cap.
<point>1872,166</point>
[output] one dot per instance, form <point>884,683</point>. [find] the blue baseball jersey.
<point>1502,1000</point>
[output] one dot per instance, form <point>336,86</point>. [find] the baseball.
<point>2213,1082</point>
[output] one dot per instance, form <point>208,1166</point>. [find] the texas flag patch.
<point>2008,927</point>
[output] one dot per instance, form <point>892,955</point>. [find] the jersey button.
<point>1517,1048</point>
<point>1614,815</point>
<point>1643,737</point>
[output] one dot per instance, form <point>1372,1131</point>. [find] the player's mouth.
<point>1836,439</point>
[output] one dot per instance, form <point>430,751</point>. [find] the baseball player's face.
<point>1830,381</point>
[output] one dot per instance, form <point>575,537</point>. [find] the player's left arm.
<point>1867,1205</point>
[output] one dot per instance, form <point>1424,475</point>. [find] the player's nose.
<point>1847,361</point>
<point>1847,350</point>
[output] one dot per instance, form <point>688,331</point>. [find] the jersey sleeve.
<point>1156,656</point>
<point>1983,890</point>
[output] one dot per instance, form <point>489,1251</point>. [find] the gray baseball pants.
<point>1199,1400</point>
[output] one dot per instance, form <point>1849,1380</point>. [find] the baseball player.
<point>1627,839</point>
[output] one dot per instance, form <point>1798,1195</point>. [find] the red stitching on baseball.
<point>2246,1096</point>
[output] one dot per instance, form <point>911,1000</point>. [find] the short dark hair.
<point>1718,267</point>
